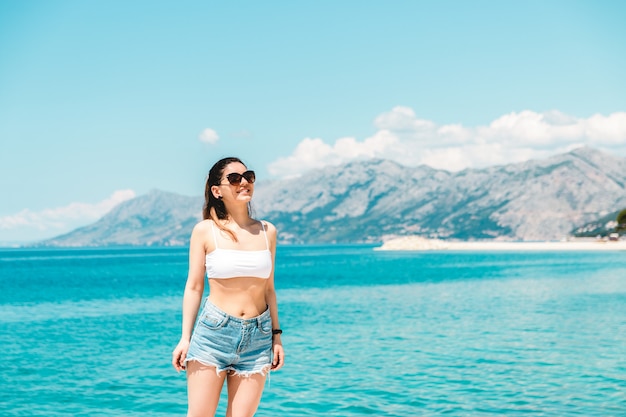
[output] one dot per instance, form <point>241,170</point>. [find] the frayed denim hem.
<point>264,370</point>
<point>246,374</point>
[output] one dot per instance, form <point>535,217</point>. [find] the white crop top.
<point>233,263</point>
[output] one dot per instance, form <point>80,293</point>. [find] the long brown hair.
<point>214,208</point>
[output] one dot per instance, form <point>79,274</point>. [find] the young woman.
<point>237,335</point>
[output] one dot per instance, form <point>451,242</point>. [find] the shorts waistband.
<point>252,320</point>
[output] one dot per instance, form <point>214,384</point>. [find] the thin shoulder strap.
<point>265,233</point>
<point>214,235</point>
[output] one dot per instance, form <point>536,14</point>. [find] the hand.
<point>180,354</point>
<point>279,354</point>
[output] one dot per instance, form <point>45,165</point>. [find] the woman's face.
<point>236,184</point>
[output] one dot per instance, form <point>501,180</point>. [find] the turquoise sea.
<point>89,332</point>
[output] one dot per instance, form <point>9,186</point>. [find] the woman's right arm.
<point>192,297</point>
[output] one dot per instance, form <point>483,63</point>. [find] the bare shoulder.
<point>201,229</point>
<point>271,231</point>
<point>269,227</point>
<point>199,240</point>
<point>203,225</point>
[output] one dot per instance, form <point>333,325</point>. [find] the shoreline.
<point>416,243</point>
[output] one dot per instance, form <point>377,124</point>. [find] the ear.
<point>216,191</point>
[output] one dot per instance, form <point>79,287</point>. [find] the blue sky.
<point>102,101</point>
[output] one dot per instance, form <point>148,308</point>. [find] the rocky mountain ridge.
<point>374,200</point>
<point>158,218</point>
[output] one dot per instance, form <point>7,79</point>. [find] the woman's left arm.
<point>278,359</point>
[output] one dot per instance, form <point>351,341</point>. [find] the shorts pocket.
<point>265,327</point>
<point>213,320</point>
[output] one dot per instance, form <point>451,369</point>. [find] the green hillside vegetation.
<point>621,222</point>
<point>614,222</point>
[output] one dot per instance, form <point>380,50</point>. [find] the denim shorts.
<point>241,346</point>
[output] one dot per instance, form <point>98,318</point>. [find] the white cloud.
<point>608,130</point>
<point>209,136</point>
<point>315,153</point>
<point>513,137</point>
<point>402,118</point>
<point>28,224</point>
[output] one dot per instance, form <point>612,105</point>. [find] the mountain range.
<point>374,200</point>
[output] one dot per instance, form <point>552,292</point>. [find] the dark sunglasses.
<point>234,178</point>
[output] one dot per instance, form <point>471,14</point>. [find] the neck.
<point>239,215</point>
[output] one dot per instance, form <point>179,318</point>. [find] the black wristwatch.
<point>277,331</point>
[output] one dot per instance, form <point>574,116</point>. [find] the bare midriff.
<point>239,297</point>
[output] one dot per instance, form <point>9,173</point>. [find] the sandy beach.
<point>416,243</point>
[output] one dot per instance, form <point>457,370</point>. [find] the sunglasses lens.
<point>234,178</point>
<point>249,176</point>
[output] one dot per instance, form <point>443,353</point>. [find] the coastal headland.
<point>418,243</point>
